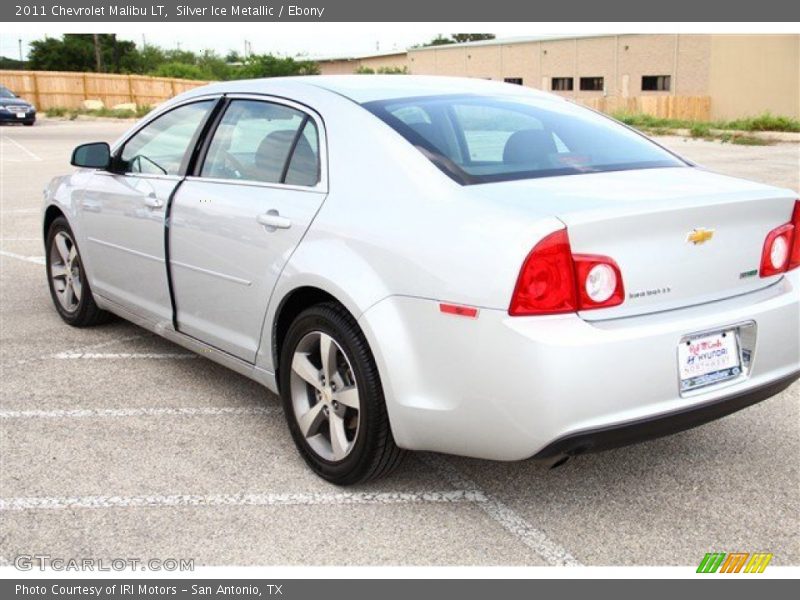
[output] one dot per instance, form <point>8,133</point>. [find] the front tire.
<point>333,398</point>
<point>66,277</point>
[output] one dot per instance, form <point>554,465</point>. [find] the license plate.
<point>20,115</point>
<point>708,359</point>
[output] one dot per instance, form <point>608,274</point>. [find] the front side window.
<point>160,147</point>
<point>264,142</point>
<point>481,139</point>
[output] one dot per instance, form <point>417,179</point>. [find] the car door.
<point>237,220</point>
<point>123,211</point>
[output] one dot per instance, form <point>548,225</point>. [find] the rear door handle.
<point>272,220</point>
<point>151,201</point>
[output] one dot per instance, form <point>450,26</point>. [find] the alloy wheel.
<point>325,396</point>
<point>65,271</point>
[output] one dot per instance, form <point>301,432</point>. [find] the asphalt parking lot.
<point>116,443</point>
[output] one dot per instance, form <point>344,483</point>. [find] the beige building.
<point>376,62</point>
<point>696,75</point>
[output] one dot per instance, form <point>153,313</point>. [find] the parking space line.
<point>37,260</point>
<point>21,147</point>
<point>124,356</point>
<point>97,413</point>
<point>85,349</point>
<point>182,500</point>
<point>503,515</point>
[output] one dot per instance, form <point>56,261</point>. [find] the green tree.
<point>268,65</point>
<point>440,40</point>
<point>76,52</point>
<point>471,37</point>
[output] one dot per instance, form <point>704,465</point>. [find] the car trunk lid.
<point>681,236</point>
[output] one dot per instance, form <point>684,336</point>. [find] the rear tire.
<point>333,398</point>
<point>66,277</point>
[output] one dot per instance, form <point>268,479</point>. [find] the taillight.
<point>546,283</point>
<point>553,280</point>
<point>599,281</point>
<point>782,247</point>
<point>794,256</point>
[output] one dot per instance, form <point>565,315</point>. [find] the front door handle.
<point>152,201</point>
<point>272,220</point>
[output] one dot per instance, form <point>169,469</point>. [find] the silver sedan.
<point>420,263</point>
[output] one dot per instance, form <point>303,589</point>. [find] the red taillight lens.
<point>553,280</point>
<point>776,256</point>
<point>546,283</point>
<point>794,256</point>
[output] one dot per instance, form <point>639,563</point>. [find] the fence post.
<point>130,89</point>
<point>36,96</point>
<point>85,88</point>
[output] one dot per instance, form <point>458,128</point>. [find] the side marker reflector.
<point>461,311</point>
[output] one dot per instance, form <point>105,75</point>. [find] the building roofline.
<point>360,56</point>
<point>516,40</point>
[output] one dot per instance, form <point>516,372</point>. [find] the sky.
<point>321,40</point>
<point>317,42</point>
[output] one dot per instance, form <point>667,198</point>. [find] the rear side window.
<point>265,142</point>
<point>481,139</point>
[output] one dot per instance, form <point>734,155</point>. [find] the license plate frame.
<point>709,358</point>
<point>21,115</point>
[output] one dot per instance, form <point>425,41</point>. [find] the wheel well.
<point>50,215</point>
<point>291,306</point>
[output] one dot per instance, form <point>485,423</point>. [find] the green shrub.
<point>700,130</point>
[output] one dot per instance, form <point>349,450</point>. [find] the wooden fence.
<point>63,89</point>
<point>690,108</point>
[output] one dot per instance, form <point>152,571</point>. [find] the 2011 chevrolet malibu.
<point>439,264</point>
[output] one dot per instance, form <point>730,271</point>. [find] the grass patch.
<point>74,113</point>
<point>742,139</point>
<point>764,122</point>
<point>700,130</point>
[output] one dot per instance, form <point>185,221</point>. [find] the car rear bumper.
<point>625,434</point>
<point>510,388</point>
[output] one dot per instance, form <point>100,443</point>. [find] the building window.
<point>655,83</point>
<point>514,80</point>
<point>591,84</point>
<point>562,84</point>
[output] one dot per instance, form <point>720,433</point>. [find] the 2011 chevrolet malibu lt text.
<point>443,264</point>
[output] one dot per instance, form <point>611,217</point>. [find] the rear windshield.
<point>481,139</point>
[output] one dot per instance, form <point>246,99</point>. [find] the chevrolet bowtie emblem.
<point>700,235</point>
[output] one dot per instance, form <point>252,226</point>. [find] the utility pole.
<point>20,50</point>
<point>98,58</point>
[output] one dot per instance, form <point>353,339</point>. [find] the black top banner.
<point>401,11</point>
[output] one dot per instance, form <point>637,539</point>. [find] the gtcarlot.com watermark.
<point>44,562</point>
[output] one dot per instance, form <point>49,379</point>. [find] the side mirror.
<point>96,155</point>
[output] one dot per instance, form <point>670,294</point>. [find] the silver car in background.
<point>418,263</point>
